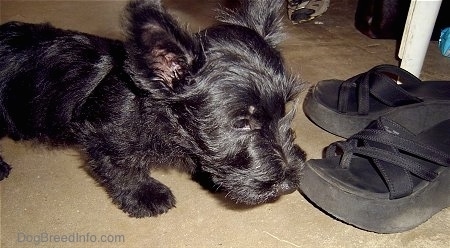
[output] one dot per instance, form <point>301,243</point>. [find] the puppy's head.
<point>231,87</point>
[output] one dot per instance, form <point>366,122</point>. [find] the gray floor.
<point>49,193</point>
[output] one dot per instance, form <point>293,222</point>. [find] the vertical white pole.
<point>417,33</point>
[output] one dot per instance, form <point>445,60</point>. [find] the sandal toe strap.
<point>378,83</point>
<point>397,155</point>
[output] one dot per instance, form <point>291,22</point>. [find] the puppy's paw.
<point>4,170</point>
<point>150,199</point>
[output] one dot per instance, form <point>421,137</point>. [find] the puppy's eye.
<point>243,124</point>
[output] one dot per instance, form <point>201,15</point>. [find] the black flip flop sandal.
<point>346,107</point>
<point>386,179</point>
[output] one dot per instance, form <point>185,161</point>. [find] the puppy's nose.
<point>286,187</point>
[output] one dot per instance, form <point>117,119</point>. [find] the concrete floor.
<point>48,192</point>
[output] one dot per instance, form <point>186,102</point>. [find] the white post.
<point>417,34</point>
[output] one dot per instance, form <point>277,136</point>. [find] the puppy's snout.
<point>286,187</point>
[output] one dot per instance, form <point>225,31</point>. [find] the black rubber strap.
<point>409,145</point>
<point>382,142</point>
<point>378,83</point>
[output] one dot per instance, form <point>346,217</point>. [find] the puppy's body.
<point>214,101</point>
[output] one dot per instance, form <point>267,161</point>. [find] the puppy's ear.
<point>161,53</point>
<point>263,16</point>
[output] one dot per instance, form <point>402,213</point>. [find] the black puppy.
<point>213,102</point>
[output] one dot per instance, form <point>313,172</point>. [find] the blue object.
<point>444,42</point>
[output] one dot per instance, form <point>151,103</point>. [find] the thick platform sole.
<point>416,116</point>
<point>376,215</point>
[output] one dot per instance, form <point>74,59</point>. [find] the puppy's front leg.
<point>4,169</point>
<point>132,188</point>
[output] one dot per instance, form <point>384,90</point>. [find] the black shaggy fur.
<point>212,101</point>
